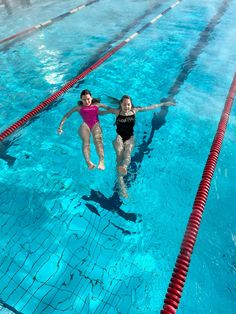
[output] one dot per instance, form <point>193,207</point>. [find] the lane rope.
<point>71,83</point>
<point>47,23</point>
<point>177,281</point>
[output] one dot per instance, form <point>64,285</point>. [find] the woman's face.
<point>126,105</point>
<point>86,99</point>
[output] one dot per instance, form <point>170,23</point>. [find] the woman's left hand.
<point>169,103</point>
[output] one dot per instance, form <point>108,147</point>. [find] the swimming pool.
<point>69,242</point>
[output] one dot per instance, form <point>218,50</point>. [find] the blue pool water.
<point>69,243</point>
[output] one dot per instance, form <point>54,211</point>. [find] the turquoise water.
<point>69,243</point>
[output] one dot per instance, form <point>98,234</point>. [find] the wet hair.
<point>95,100</point>
<point>87,92</point>
<point>126,97</point>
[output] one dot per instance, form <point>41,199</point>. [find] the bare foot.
<point>91,165</point>
<point>101,165</point>
<point>122,170</point>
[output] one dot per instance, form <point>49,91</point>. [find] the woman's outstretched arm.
<point>67,115</point>
<point>110,110</point>
<point>154,106</point>
<point>99,105</point>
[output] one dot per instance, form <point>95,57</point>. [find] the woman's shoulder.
<point>133,111</point>
<point>137,109</point>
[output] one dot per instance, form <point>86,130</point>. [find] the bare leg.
<point>84,133</point>
<point>119,149</point>
<point>122,187</point>
<point>128,147</point>
<point>97,138</point>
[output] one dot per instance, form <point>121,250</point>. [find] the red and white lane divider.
<point>179,274</point>
<point>47,23</point>
<point>71,83</point>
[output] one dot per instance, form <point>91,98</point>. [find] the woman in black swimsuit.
<point>125,121</point>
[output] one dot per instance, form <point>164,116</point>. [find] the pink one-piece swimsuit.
<point>89,115</point>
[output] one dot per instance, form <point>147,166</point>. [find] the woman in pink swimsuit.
<point>88,109</point>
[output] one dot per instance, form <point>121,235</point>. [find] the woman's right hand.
<point>59,131</point>
<point>169,103</point>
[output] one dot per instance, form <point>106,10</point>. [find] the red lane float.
<point>46,23</point>
<point>180,271</point>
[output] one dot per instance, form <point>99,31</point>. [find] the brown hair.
<point>87,92</point>
<point>126,97</point>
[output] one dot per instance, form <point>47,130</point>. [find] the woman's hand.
<point>169,103</point>
<point>59,130</point>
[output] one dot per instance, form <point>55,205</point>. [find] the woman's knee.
<point>97,138</point>
<point>85,145</point>
<point>129,146</point>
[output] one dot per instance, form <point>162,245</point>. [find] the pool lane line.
<point>105,47</point>
<point>176,285</point>
<point>71,83</point>
<point>45,24</point>
<point>190,61</point>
